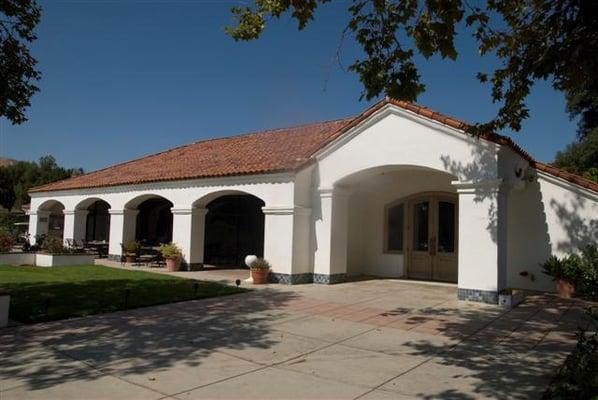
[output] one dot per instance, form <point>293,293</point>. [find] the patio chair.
<point>72,244</point>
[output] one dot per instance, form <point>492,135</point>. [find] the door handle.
<point>432,246</point>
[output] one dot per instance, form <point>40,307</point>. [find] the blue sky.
<point>122,79</point>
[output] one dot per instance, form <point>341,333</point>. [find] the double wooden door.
<point>432,238</point>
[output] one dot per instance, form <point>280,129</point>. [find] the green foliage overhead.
<point>581,156</point>
<point>18,73</point>
<point>532,39</point>
<point>17,179</point>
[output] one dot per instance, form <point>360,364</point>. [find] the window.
<point>446,227</point>
<point>420,226</point>
<point>395,220</point>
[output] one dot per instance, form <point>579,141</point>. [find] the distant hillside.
<point>5,162</point>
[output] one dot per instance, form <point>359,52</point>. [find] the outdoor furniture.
<point>72,244</point>
<point>151,256</point>
<point>99,247</point>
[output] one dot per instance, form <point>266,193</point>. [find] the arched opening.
<point>51,214</point>
<point>97,227</point>
<point>154,221</point>
<point>402,222</point>
<point>234,228</point>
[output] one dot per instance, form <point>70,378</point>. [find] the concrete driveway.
<point>379,339</point>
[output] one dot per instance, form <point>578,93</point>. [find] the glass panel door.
<point>446,227</point>
<point>421,219</point>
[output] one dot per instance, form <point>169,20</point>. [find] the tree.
<point>581,156</point>
<point>18,19</point>
<point>554,40</point>
<point>18,178</point>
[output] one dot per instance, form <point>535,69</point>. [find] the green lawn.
<point>44,294</point>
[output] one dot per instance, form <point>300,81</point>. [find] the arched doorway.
<point>52,214</point>
<point>154,221</point>
<point>234,228</point>
<point>97,227</point>
<point>402,222</point>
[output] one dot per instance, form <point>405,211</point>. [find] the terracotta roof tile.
<point>271,151</point>
<point>262,152</point>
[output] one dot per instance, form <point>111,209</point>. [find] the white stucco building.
<point>398,191</point>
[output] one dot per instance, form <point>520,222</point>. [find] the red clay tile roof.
<point>270,151</point>
<point>255,153</point>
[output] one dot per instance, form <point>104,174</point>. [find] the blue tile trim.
<point>329,279</point>
<point>290,279</point>
<point>482,296</point>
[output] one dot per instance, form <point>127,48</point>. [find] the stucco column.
<point>75,223</point>
<point>482,240</point>
<point>278,240</point>
<point>188,231</point>
<point>38,224</point>
<point>286,243</point>
<point>330,264</point>
<point>122,231</point>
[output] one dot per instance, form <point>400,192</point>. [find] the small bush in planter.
<point>133,247</point>
<point>54,245</point>
<point>132,250</point>
<point>566,272</point>
<point>172,253</point>
<point>260,268</point>
<point>5,240</point>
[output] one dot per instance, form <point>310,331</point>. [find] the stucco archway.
<point>154,221</point>
<point>97,223</point>
<point>391,215</point>
<point>234,228</point>
<point>50,219</point>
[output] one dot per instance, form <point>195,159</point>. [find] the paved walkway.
<point>378,339</point>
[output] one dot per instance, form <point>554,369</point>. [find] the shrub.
<point>588,281</point>
<point>132,247</point>
<point>170,250</point>
<point>5,240</point>
<point>578,376</point>
<point>569,268</point>
<point>260,263</point>
<point>54,245</point>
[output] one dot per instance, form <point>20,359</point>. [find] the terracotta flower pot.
<point>259,276</point>
<point>130,259</point>
<point>173,264</point>
<point>565,288</point>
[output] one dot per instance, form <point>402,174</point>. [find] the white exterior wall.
<point>547,216</point>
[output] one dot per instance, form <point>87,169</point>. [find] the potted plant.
<point>172,253</point>
<point>565,272</point>
<point>260,269</point>
<point>132,250</point>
